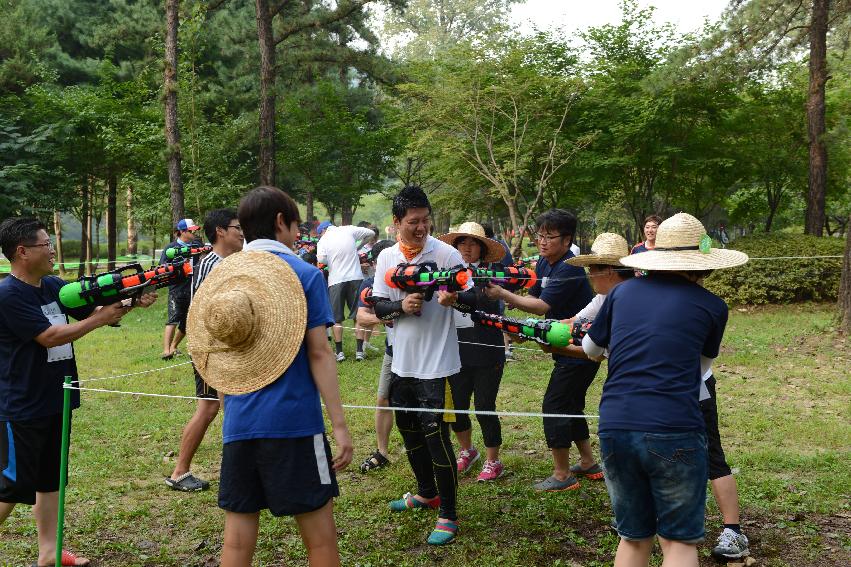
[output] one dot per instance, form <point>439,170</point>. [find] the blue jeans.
<point>657,483</point>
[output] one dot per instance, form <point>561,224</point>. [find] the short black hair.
<point>15,231</point>
<point>557,220</point>
<point>378,247</point>
<point>217,218</point>
<point>258,210</point>
<point>410,197</point>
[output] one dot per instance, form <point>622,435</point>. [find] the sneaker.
<point>187,482</point>
<point>359,356</point>
<point>509,356</point>
<point>492,470</point>
<point>466,459</point>
<point>552,484</point>
<point>731,545</point>
<point>444,532</point>
<point>341,357</point>
<point>371,347</point>
<point>594,472</point>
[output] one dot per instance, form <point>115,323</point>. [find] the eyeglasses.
<point>547,237</point>
<point>48,245</point>
<point>236,226</point>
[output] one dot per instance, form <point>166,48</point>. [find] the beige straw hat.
<point>247,322</point>
<point>608,249</point>
<point>682,244</point>
<point>493,250</point>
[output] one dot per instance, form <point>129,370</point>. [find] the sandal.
<point>69,559</point>
<point>374,461</point>
<point>408,502</point>
<point>187,482</point>
<point>444,532</point>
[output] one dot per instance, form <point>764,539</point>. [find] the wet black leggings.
<point>426,439</point>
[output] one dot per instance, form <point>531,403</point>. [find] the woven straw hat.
<point>682,244</point>
<point>247,322</point>
<point>493,250</point>
<point>608,249</point>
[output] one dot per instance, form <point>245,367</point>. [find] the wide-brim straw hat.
<point>493,250</point>
<point>682,244</point>
<point>608,249</point>
<point>246,322</point>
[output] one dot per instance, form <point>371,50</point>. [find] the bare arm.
<point>366,317</point>
<point>323,366</point>
<point>58,335</point>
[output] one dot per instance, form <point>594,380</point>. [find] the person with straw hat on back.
<point>257,334</point>
<point>652,433</point>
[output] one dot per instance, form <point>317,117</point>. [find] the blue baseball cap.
<point>186,224</point>
<point>322,226</point>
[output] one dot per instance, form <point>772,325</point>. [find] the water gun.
<point>547,332</point>
<point>580,328</point>
<point>367,298</point>
<point>527,261</point>
<point>184,251</point>
<point>128,282</point>
<point>512,278</point>
<point>323,268</point>
<point>426,278</point>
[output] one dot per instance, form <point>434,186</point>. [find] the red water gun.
<point>512,278</point>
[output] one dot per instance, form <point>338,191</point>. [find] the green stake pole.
<point>63,467</point>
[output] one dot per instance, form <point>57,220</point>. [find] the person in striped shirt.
<point>225,234</point>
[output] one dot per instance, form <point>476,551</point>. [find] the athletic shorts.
<point>344,294</point>
<point>202,389</point>
<point>384,377</point>
<point>286,476</point>
<point>178,309</point>
<point>718,466</point>
<point>29,458</point>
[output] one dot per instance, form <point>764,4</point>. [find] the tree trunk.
<point>111,210</point>
<point>266,40</point>
<point>347,214</point>
<point>132,235</point>
<point>308,213</point>
<point>815,118</point>
<point>845,285</point>
<point>89,223</point>
<point>172,130</point>
<point>84,234</point>
<point>57,230</point>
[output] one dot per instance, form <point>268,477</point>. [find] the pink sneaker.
<point>491,471</point>
<point>466,459</point>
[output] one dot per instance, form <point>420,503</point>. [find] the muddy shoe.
<point>731,545</point>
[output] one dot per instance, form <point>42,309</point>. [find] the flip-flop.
<point>69,559</point>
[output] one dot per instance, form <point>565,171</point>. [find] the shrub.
<point>781,281</point>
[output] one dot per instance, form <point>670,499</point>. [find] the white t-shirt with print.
<point>424,346</point>
<point>337,249</point>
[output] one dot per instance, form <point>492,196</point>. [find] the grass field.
<point>785,404</point>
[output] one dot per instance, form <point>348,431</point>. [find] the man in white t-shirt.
<point>425,354</point>
<point>337,249</point>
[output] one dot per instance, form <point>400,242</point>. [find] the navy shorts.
<point>202,389</point>
<point>718,466</point>
<point>29,458</point>
<point>286,476</point>
<point>657,483</point>
<point>178,309</point>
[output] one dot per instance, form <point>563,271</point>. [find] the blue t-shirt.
<point>507,260</point>
<point>566,290</point>
<point>656,328</point>
<point>30,386</point>
<point>638,248</point>
<point>290,406</point>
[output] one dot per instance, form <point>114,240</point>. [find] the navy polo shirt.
<point>656,328</point>
<point>566,290</point>
<point>30,379</point>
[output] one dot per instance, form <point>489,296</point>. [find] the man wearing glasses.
<point>36,353</point>
<point>224,232</point>
<point>179,294</point>
<point>561,292</point>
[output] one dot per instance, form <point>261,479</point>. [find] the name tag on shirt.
<point>545,281</point>
<point>56,317</point>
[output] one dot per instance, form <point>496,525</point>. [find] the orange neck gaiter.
<point>408,252</point>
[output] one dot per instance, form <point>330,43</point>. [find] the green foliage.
<point>781,281</point>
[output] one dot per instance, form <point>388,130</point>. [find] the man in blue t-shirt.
<point>652,432</point>
<point>36,354</point>
<point>275,453</point>
<point>562,290</point>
